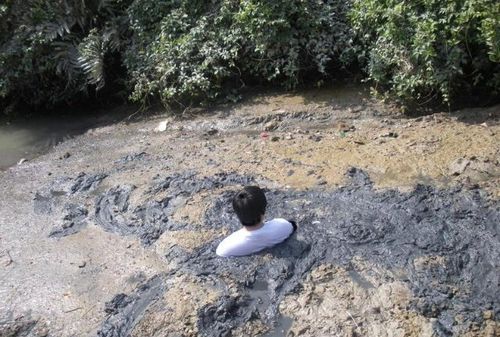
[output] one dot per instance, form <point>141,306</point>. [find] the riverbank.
<point>113,232</point>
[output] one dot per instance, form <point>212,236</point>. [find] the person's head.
<point>249,204</point>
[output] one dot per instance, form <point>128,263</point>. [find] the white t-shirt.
<point>245,242</point>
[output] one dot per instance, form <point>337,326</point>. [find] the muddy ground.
<point>113,233</point>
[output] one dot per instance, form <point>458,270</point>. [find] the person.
<point>249,204</point>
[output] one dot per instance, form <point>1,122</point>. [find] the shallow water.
<point>29,139</point>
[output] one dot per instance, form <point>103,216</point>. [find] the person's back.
<point>256,235</point>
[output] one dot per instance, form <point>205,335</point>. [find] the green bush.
<point>199,50</point>
<point>177,50</point>
<point>184,51</point>
<point>429,49</point>
<point>51,51</point>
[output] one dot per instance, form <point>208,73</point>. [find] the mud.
<point>74,220</point>
<point>125,310</point>
<point>49,197</point>
<point>22,326</point>
<point>148,221</point>
<point>405,244</point>
<point>388,229</point>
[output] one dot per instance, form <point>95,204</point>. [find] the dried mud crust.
<point>363,262</point>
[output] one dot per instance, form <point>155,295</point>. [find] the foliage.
<point>58,51</point>
<point>429,49</point>
<point>198,50</point>
<point>51,50</point>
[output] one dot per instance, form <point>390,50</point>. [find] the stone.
<point>5,259</point>
<point>212,132</point>
<point>458,166</point>
<point>271,126</point>
<point>389,134</point>
<point>488,314</point>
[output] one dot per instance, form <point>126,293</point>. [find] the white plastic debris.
<point>162,126</point>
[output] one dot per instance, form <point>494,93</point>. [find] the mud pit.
<point>432,254</point>
<point>126,248</point>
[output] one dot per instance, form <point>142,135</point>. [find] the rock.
<point>86,182</point>
<point>348,128</point>
<point>133,157</point>
<point>66,155</point>
<point>275,139</point>
<point>488,314</point>
<point>212,132</point>
<point>5,259</point>
<point>270,126</point>
<point>458,166</point>
<point>315,138</point>
<point>119,301</point>
<point>290,173</point>
<point>310,172</point>
<point>389,134</point>
<point>23,325</point>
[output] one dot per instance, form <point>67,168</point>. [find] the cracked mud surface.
<point>398,225</point>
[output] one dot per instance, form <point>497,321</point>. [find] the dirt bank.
<point>113,233</point>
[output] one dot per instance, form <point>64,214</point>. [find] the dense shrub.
<point>192,50</point>
<point>429,49</point>
<point>199,49</point>
<point>50,51</point>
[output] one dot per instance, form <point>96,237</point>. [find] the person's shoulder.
<point>283,223</point>
<point>230,244</point>
<point>278,221</point>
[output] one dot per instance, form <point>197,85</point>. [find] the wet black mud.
<point>22,326</point>
<point>152,218</point>
<point>48,198</point>
<point>386,228</point>
<point>74,220</point>
<point>146,219</point>
<point>125,310</point>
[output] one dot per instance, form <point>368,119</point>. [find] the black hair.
<point>249,204</point>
